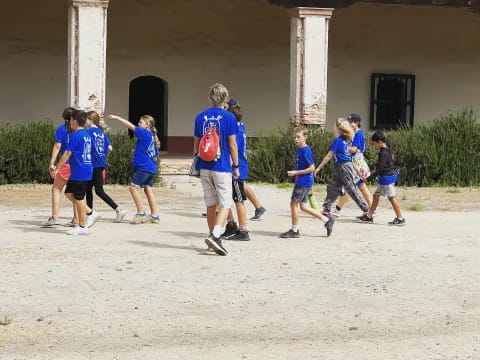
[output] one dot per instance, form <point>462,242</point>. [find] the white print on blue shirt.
<point>87,150</point>
<point>99,143</point>
<point>212,122</point>
<point>152,151</point>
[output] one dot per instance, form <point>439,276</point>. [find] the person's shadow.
<point>150,244</point>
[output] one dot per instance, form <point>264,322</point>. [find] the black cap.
<point>232,103</point>
<point>354,118</point>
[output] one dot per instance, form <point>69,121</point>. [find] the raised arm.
<point>126,123</point>
<point>324,162</point>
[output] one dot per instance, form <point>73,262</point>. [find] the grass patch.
<point>453,191</point>
<point>284,185</point>
<point>416,207</point>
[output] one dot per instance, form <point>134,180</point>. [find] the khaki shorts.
<point>217,188</point>
<point>386,190</point>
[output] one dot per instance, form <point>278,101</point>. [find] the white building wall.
<point>245,44</point>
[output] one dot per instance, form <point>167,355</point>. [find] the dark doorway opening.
<point>148,95</point>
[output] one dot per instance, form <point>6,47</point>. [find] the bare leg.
<point>343,200</point>
<point>241,213</point>
<point>396,207</point>
<point>294,211</point>
<point>151,200</point>
<point>376,200</point>
<point>58,185</point>
<point>312,212</point>
<point>137,199</point>
<point>82,213</point>
<point>211,216</point>
<point>251,196</point>
<point>366,194</point>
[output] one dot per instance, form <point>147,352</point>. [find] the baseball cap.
<point>232,103</point>
<point>354,118</point>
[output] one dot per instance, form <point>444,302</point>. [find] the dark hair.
<point>67,113</point>
<point>379,136</point>
<point>80,117</point>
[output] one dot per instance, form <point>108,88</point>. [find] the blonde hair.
<point>150,121</point>
<point>218,95</point>
<point>345,129</point>
<point>301,129</point>
<point>97,120</point>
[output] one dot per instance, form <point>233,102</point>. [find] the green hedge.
<point>444,152</point>
<point>25,153</point>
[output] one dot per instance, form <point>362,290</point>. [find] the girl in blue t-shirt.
<point>101,147</point>
<point>343,176</point>
<point>144,166</point>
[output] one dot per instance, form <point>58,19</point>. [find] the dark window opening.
<point>392,101</point>
<point>148,95</point>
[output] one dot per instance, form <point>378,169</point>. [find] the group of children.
<point>351,174</point>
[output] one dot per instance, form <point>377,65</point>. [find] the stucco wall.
<point>245,44</point>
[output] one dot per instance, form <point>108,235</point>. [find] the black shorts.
<point>300,193</point>
<point>238,190</point>
<point>77,188</point>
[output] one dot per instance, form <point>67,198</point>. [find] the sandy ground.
<point>153,292</point>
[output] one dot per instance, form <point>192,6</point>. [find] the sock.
<point>217,231</point>
<point>295,228</point>
<point>230,220</point>
<point>338,208</point>
<point>90,213</point>
<point>324,218</point>
<point>242,228</point>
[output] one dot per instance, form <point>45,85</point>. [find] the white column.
<point>309,65</point>
<point>87,43</point>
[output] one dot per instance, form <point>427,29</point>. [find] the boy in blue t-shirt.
<point>303,185</point>
<point>78,154</point>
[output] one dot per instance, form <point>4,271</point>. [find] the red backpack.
<point>209,146</point>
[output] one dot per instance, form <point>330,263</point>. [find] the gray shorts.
<point>385,190</point>
<point>217,188</point>
<point>300,193</point>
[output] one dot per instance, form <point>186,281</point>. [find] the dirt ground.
<point>154,292</point>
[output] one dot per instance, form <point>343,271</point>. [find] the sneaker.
<point>240,236</point>
<point>335,212</point>
<point>139,219</point>
<point>120,215</point>
<point>230,229</point>
<point>50,222</point>
<point>329,224</point>
<point>93,218</point>
<point>365,218</point>
<point>290,234</point>
<point>153,219</point>
<point>77,230</point>
<point>397,222</point>
<point>71,223</point>
<point>216,244</point>
<point>258,213</point>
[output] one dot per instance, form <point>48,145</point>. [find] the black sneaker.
<point>329,224</point>
<point>365,218</point>
<point>258,213</point>
<point>216,245</point>
<point>240,236</point>
<point>290,234</point>
<point>230,229</point>
<point>397,222</point>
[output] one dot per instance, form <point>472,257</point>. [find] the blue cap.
<point>232,103</point>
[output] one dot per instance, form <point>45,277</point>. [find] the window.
<point>392,101</point>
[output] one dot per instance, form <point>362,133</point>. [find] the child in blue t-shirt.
<point>78,154</point>
<point>101,147</point>
<point>144,166</point>
<point>303,185</point>
<point>343,176</point>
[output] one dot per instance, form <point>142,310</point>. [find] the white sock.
<point>295,227</point>
<point>242,228</point>
<point>217,231</point>
<point>324,218</point>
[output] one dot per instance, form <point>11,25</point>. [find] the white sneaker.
<point>92,219</point>
<point>120,215</point>
<point>335,212</point>
<point>77,230</point>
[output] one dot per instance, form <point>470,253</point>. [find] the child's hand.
<point>316,172</point>
<point>112,117</point>
<point>291,173</point>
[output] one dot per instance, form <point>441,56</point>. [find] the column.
<point>87,42</point>
<point>309,65</point>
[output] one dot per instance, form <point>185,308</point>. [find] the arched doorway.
<point>148,95</point>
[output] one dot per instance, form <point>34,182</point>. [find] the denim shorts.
<point>142,178</point>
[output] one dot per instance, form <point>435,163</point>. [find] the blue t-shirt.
<point>359,141</point>
<point>242,150</point>
<point>81,159</point>
<point>100,144</point>
<point>304,160</point>
<point>226,125</point>
<point>340,150</point>
<point>63,137</point>
<point>145,151</point>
